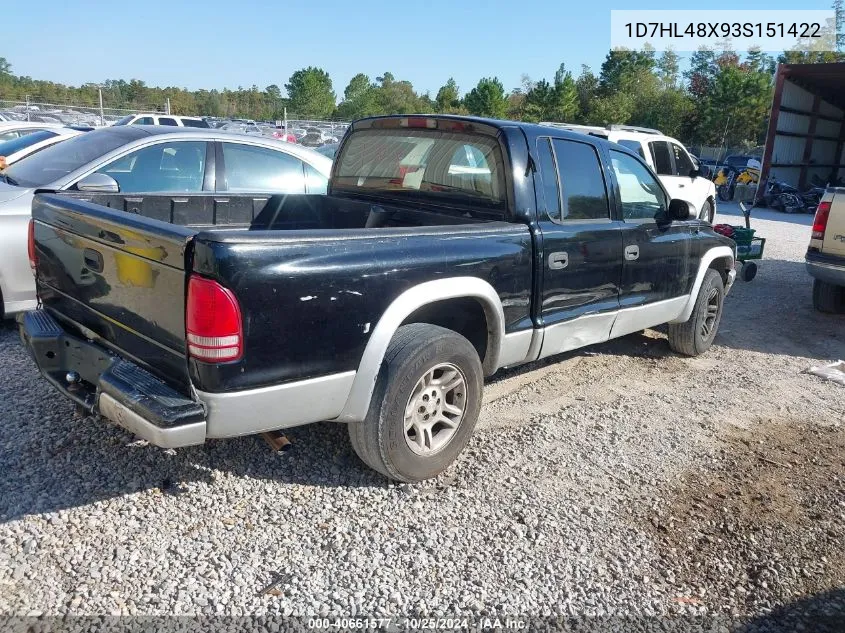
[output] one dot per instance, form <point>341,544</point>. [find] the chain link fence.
<point>68,114</point>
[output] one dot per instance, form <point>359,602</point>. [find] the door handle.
<point>558,260</point>
<point>681,185</point>
<point>632,253</point>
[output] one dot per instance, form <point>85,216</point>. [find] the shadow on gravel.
<point>78,462</point>
<point>821,613</point>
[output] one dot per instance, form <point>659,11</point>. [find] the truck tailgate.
<point>834,235</point>
<point>115,277</point>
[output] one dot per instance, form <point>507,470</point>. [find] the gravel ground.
<point>617,480</point>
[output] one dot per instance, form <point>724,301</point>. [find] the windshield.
<point>465,167</point>
<point>57,161</point>
<point>125,120</point>
<point>15,145</point>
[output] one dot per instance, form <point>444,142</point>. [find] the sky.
<point>217,44</point>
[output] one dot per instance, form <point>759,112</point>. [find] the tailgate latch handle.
<point>93,259</point>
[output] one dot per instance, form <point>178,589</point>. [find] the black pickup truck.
<point>446,248</point>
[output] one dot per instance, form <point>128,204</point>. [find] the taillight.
<point>30,245</point>
<point>418,121</point>
<point>212,322</point>
<point>820,221</point>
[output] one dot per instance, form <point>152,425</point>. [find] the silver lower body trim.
<point>578,332</point>
<point>182,435</point>
<point>277,407</point>
<point>515,348</point>
<point>638,318</point>
<point>731,280</point>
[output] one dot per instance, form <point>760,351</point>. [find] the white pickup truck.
<point>826,253</point>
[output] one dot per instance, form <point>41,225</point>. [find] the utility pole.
<point>27,107</point>
<point>102,118</point>
<point>168,106</point>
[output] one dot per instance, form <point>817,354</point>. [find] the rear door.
<point>581,246</point>
<point>656,251</point>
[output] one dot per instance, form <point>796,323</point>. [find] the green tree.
<point>487,99</point>
<point>357,87</point>
<point>587,86</point>
<point>5,67</point>
<point>667,68</point>
<point>310,93</point>
<point>620,64</point>
<point>448,98</point>
<point>564,106</point>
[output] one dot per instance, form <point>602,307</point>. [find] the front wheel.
<point>696,335</point>
<point>424,406</point>
<point>708,212</point>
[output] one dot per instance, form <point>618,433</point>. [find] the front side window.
<point>144,120</point>
<point>177,166</point>
<point>683,164</point>
<point>641,195</point>
<point>581,180</point>
<point>461,167</point>
<point>660,155</point>
<point>250,168</point>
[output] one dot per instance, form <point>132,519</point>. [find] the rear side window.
<point>683,164</point>
<point>259,169</point>
<point>660,155</point>
<point>582,188</point>
<point>167,121</point>
<point>635,146</point>
<point>548,177</point>
<point>194,123</point>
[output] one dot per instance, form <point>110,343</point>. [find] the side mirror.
<point>703,171</point>
<point>680,210</point>
<point>98,183</point>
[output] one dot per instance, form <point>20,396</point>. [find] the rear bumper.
<point>827,268</point>
<point>108,385</point>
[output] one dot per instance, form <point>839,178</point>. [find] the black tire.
<point>380,440</point>
<point>828,298</point>
<point>708,211</point>
<point>691,338</point>
<point>749,271</point>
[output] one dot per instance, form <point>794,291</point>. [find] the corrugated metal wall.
<point>788,160</point>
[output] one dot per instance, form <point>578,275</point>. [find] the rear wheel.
<point>828,298</point>
<point>424,406</point>
<point>696,335</point>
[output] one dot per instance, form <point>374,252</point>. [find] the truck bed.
<point>120,279</point>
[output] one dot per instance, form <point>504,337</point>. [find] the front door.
<point>581,247</point>
<point>656,251</point>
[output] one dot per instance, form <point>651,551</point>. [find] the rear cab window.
<point>424,158</point>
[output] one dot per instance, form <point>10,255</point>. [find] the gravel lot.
<point>621,479</point>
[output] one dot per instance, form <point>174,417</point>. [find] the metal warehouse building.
<point>806,132</point>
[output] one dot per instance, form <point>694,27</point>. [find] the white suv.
<point>673,164</point>
<point>163,119</point>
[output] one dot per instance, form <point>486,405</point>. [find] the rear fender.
<point>404,305</point>
<point>708,258</point>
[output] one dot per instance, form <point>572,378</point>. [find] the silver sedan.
<point>143,159</point>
